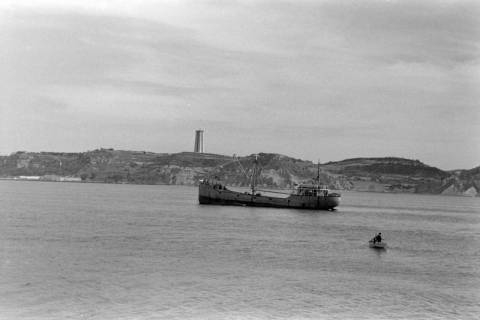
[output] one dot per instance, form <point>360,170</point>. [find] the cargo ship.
<point>311,196</point>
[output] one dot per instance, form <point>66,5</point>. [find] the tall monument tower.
<point>198,141</point>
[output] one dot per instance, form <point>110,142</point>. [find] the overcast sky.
<point>324,80</point>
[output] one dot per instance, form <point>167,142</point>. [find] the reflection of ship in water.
<point>304,196</point>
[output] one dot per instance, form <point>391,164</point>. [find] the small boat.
<point>377,245</point>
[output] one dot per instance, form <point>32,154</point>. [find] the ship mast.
<point>254,174</point>
<point>318,174</point>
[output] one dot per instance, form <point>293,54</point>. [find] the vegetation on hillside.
<point>387,174</point>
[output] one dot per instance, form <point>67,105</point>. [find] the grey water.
<point>100,251</point>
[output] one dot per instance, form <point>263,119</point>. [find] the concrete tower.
<point>198,141</point>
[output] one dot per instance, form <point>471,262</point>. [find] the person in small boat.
<point>377,238</point>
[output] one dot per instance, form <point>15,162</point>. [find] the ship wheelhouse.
<point>311,190</point>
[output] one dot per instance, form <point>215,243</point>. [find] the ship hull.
<point>209,194</point>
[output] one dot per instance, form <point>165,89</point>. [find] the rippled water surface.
<point>97,251</point>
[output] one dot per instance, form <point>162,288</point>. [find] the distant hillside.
<point>276,171</point>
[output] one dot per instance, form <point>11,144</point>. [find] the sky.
<point>315,80</point>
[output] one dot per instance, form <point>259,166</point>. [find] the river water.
<point>100,251</point>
